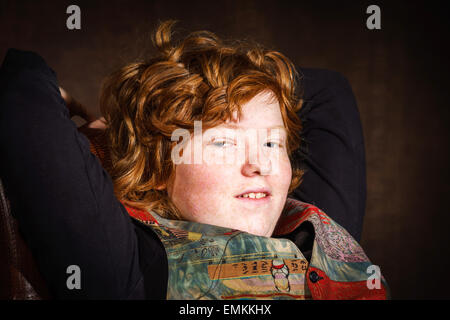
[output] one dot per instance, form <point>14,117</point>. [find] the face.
<point>244,176</point>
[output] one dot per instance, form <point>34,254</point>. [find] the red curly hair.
<point>199,78</point>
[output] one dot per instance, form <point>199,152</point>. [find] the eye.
<point>221,143</point>
<point>272,144</point>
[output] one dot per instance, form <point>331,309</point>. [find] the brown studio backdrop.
<point>398,74</point>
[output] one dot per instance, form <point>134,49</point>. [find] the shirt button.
<point>314,277</point>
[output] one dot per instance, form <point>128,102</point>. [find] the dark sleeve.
<point>335,178</point>
<point>61,196</point>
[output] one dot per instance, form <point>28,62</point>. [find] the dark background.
<point>399,75</point>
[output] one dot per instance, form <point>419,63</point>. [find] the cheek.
<point>198,177</point>
<point>283,174</point>
<point>288,173</point>
<point>198,189</point>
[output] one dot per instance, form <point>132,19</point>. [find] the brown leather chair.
<point>20,278</point>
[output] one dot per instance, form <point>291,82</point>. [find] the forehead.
<point>262,111</point>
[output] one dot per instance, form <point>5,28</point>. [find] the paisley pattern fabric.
<point>334,240</point>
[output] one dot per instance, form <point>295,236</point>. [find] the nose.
<point>256,162</point>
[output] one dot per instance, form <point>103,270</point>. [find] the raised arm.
<point>61,196</point>
<point>335,178</point>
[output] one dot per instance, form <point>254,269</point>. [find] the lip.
<point>258,190</point>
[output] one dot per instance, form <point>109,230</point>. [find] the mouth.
<point>256,195</point>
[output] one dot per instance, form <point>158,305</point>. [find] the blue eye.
<point>221,143</point>
<point>272,145</point>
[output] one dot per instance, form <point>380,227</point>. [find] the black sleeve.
<point>61,196</point>
<point>335,178</point>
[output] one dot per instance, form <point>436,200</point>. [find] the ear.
<point>161,187</point>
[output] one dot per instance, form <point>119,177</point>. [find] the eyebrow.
<point>235,126</point>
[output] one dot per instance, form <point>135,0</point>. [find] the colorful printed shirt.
<point>210,262</point>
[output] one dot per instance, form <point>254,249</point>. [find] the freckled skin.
<point>206,192</point>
